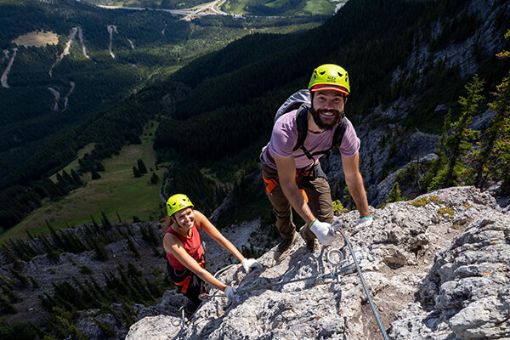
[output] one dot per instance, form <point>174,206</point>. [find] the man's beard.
<point>329,123</point>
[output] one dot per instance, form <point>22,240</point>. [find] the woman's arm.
<point>215,234</point>
<point>174,246</point>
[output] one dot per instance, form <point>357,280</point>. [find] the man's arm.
<point>286,168</point>
<point>354,182</point>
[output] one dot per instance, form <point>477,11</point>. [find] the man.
<point>293,175</point>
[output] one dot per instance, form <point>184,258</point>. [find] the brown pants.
<point>319,200</point>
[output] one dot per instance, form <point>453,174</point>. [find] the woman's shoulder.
<point>199,218</point>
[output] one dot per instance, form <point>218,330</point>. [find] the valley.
<point>76,62</point>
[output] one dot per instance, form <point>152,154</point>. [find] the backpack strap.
<point>339,132</point>
<point>302,125</point>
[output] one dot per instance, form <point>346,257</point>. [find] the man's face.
<point>327,108</point>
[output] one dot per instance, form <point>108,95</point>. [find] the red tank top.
<point>192,245</point>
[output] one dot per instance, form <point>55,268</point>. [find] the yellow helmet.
<point>330,77</point>
<point>176,203</point>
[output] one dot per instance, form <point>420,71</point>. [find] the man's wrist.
<point>309,224</point>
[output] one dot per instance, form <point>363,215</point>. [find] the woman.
<point>185,253</point>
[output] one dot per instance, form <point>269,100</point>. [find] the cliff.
<point>437,267</point>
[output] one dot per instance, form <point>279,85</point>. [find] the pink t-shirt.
<point>284,138</point>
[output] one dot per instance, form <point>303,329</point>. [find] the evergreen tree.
<point>395,195</point>
<point>95,174</point>
<point>118,217</point>
<point>458,139</point>
<point>154,178</point>
<point>99,166</point>
<point>105,221</point>
<point>69,181</point>
<point>136,172</point>
<point>494,156</point>
<point>94,223</point>
<point>100,249</point>
<point>76,178</point>
<point>132,247</point>
<point>141,167</point>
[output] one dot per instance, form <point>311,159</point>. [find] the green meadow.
<point>117,193</point>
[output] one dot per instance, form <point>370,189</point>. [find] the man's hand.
<point>323,232</point>
<point>230,292</point>
<point>249,264</point>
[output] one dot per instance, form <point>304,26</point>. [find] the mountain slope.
<point>437,267</point>
<point>85,84</point>
<point>405,74</point>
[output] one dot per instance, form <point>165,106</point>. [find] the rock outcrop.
<point>437,267</point>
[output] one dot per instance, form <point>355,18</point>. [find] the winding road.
<point>188,14</point>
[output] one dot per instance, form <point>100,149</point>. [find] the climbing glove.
<point>249,264</point>
<point>323,232</point>
<point>230,292</point>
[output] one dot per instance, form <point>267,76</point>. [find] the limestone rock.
<point>437,267</point>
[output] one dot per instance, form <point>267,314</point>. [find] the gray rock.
<point>160,327</point>
<point>432,276</point>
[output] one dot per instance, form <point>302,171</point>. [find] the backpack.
<point>301,100</point>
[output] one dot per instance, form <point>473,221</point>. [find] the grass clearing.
<point>319,7</point>
<point>36,39</point>
<point>116,192</point>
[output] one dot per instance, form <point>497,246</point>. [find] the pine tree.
<point>95,174</point>
<point>69,181</point>
<point>99,166</point>
<point>132,247</point>
<point>118,217</point>
<point>136,172</point>
<point>457,139</point>
<point>395,195</point>
<point>105,221</point>
<point>154,178</point>
<point>76,178</point>
<point>494,156</point>
<point>142,167</point>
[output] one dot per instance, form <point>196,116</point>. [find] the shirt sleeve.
<point>284,136</point>
<point>350,142</point>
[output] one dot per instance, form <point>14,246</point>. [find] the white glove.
<point>250,264</point>
<point>364,221</point>
<point>323,232</point>
<point>230,292</point>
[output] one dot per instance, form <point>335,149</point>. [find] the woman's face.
<point>185,218</point>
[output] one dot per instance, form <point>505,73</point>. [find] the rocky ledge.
<point>437,268</point>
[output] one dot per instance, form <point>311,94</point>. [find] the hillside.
<point>405,76</point>
<point>436,267</point>
<point>81,65</point>
<point>97,280</point>
<point>239,7</point>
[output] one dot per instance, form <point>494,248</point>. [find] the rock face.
<point>437,267</point>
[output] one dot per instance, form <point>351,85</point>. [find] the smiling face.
<point>185,219</point>
<point>327,108</point>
